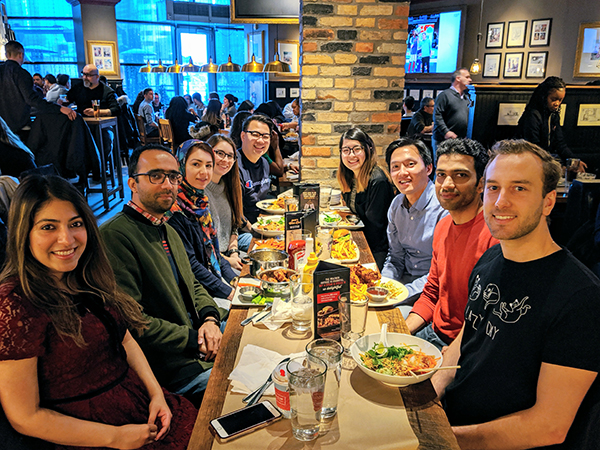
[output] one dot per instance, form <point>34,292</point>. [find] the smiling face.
<point>513,204</point>
<point>409,173</point>
<point>156,199</point>
<point>256,140</point>
<point>58,237</point>
<point>555,98</point>
<point>355,157</point>
<point>456,183</point>
<point>199,168</point>
<point>224,157</point>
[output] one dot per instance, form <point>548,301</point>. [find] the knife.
<point>255,396</point>
<point>249,319</point>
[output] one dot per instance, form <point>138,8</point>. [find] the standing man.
<point>151,265</point>
<point>425,45</point>
<point>459,241</point>
<point>527,349</point>
<point>422,120</point>
<point>451,114</point>
<point>412,217</point>
<point>18,96</point>
<point>146,112</point>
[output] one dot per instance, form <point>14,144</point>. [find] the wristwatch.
<point>213,320</point>
<point>231,251</point>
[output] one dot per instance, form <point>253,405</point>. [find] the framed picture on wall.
<point>589,115</point>
<point>256,46</point>
<point>103,54</point>
<point>495,35</point>
<point>536,64</point>
<point>513,65</point>
<point>491,65</point>
<point>540,32</point>
<point>587,58</point>
<point>289,52</point>
<point>516,34</point>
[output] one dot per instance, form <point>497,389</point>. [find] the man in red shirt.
<point>458,241</point>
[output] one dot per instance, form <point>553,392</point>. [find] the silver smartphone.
<point>245,420</point>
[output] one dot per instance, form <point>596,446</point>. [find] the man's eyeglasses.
<point>430,106</point>
<point>88,74</point>
<point>356,151</point>
<point>158,177</point>
<point>257,135</point>
<point>221,154</point>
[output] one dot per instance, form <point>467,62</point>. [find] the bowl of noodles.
<point>406,359</point>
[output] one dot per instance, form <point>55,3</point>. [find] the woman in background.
<point>197,104</point>
<point>212,114</point>
<point>70,371</point>
<point>246,105</point>
<point>192,219</point>
<point>366,188</point>
<point>180,118</point>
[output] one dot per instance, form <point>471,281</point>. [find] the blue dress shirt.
<point>410,236</point>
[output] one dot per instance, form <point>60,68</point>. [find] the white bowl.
<point>366,343</point>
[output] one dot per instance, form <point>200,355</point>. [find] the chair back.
<point>166,132</point>
<point>142,132</point>
<point>404,123</point>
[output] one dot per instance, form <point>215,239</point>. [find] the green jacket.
<point>142,269</point>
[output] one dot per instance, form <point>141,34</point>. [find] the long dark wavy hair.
<point>93,274</point>
<point>538,100</point>
<point>212,113</point>
<point>237,127</point>
<point>231,181</point>
<point>345,175</point>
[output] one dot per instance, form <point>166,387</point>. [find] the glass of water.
<point>302,304</point>
<point>353,319</point>
<point>306,379</point>
<point>331,352</point>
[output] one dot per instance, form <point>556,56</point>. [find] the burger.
<point>341,235</point>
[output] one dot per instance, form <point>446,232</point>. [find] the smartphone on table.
<point>245,420</point>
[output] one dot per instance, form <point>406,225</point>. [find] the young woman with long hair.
<point>70,371</point>
<point>191,217</point>
<point>180,118</point>
<point>212,114</point>
<point>366,188</point>
<point>225,196</point>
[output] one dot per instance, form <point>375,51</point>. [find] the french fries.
<point>277,244</point>
<point>344,250</point>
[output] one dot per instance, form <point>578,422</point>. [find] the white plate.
<point>263,205</point>
<point>351,261</point>
<point>269,233</point>
<point>340,224</point>
<point>388,302</point>
<point>366,343</point>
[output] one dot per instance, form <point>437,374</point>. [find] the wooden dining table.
<point>425,413</point>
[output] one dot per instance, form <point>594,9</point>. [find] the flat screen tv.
<point>434,42</point>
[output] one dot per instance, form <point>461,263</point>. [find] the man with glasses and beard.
<point>151,264</point>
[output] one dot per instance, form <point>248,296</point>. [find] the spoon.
<point>383,335</point>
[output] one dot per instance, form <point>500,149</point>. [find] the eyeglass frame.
<point>165,175</point>
<point>89,75</point>
<point>226,156</point>
<point>347,151</point>
<point>263,136</point>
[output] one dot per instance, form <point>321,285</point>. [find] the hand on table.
<point>294,167</point>
<point>209,339</point>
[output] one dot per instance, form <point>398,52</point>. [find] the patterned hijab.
<point>193,203</point>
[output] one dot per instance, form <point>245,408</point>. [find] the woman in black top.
<point>540,122</point>
<point>366,188</point>
<point>179,116</point>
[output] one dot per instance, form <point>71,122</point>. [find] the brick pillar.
<point>351,74</point>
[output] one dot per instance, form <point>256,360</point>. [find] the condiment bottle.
<point>310,267</point>
<point>297,252</point>
<point>282,390</point>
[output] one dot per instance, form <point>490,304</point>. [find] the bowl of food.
<point>279,282</point>
<point>405,360</point>
<point>377,293</point>
<point>266,258</point>
<point>351,218</point>
<point>247,293</point>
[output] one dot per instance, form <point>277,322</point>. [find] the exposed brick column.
<point>351,74</point>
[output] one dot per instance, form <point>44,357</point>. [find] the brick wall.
<point>351,74</point>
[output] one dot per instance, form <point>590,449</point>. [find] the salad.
<point>401,361</point>
<point>274,223</point>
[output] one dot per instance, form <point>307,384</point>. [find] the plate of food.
<point>364,277</point>
<point>248,293</point>
<point>269,225</point>
<point>272,206</point>
<point>397,292</point>
<point>274,243</point>
<point>405,360</point>
<point>335,220</point>
<point>343,247</point>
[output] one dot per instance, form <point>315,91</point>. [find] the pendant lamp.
<point>277,66</point>
<point>159,69</point>
<point>229,66</point>
<point>210,67</point>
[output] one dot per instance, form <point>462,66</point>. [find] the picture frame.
<point>491,65</point>
<point>540,32</point>
<point>256,46</point>
<point>515,37</point>
<point>587,58</point>
<point>104,55</point>
<point>513,65</point>
<point>589,115</point>
<point>536,64</point>
<point>289,52</point>
<point>510,113</point>
<point>495,35</point>
<point>295,92</point>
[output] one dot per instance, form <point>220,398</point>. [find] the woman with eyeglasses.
<point>366,188</point>
<point>70,371</point>
<point>191,217</point>
<point>225,198</point>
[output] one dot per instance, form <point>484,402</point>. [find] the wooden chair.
<point>142,131</point>
<point>166,133</point>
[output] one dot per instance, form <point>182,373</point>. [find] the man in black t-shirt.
<point>527,348</point>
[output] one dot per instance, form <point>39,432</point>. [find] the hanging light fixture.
<point>277,66</point>
<point>253,66</point>
<point>146,69</point>
<point>476,66</point>
<point>190,67</point>
<point>175,68</point>
<point>210,67</point>
<point>159,69</point>
<point>229,66</point>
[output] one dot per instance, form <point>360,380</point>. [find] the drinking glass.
<point>302,304</point>
<point>325,240</point>
<point>96,106</point>
<point>324,197</point>
<point>353,318</point>
<point>331,352</point>
<point>307,385</point>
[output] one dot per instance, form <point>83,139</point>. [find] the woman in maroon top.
<point>70,371</point>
